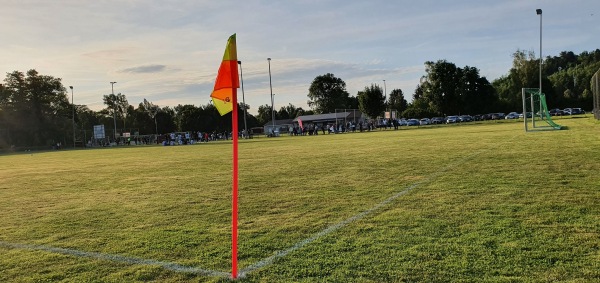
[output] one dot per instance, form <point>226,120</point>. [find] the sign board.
<point>126,135</point>
<point>99,132</point>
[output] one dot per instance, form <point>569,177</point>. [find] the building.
<point>354,116</point>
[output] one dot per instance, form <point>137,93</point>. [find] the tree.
<point>447,89</point>
<point>371,101</point>
<point>353,102</point>
<point>327,93</point>
<point>440,87</point>
<point>188,118</point>
<point>396,101</point>
<point>152,111</point>
<point>86,118</point>
<point>476,94</point>
<point>523,74</point>
<point>165,119</point>
<point>141,121</point>
<point>111,108</point>
<point>264,114</point>
<point>419,108</point>
<point>117,106</point>
<point>290,112</point>
<point>122,107</point>
<point>35,109</point>
<point>3,96</point>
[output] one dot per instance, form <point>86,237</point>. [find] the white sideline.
<point>332,228</point>
<point>117,258</point>
<point>260,264</point>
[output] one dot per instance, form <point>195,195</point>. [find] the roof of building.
<point>329,116</point>
<point>279,122</point>
<point>317,118</point>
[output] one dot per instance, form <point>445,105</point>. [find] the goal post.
<point>535,111</point>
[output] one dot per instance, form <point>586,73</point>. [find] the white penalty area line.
<point>268,261</point>
<point>117,258</point>
<point>261,264</point>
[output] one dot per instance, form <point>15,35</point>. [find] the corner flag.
<point>224,97</point>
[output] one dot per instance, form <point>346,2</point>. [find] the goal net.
<point>535,111</point>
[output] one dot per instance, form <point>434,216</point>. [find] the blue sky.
<point>169,51</point>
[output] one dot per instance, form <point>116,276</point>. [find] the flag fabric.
<point>227,79</point>
<point>300,124</point>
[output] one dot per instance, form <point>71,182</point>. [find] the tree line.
<point>446,89</point>
<point>35,110</point>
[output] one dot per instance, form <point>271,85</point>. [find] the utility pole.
<point>73,102</point>
<point>112,85</point>
<point>272,99</point>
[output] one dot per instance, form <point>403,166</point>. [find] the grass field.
<point>481,202</point>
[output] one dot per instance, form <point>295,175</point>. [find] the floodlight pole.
<point>73,102</point>
<point>539,12</point>
<point>523,94</point>
<point>385,94</point>
<point>272,99</point>
<point>112,85</point>
<point>243,98</point>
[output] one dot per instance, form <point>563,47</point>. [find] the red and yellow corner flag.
<point>224,97</point>
<point>227,79</point>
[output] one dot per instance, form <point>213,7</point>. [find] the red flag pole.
<point>234,208</point>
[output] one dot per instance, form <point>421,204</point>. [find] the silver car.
<point>452,119</point>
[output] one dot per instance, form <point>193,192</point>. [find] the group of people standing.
<point>184,138</point>
<point>333,128</point>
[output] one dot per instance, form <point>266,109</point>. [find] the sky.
<point>169,52</point>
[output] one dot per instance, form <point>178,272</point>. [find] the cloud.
<point>145,69</point>
<point>170,52</point>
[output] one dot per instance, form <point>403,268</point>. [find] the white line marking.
<point>118,258</point>
<point>268,261</point>
<point>263,263</point>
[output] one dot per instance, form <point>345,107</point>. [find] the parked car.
<point>412,122</point>
<point>556,112</point>
<point>425,121</point>
<point>497,116</point>
<point>465,118</point>
<point>478,117</point>
<point>528,115</point>
<point>452,119</point>
<point>437,120</point>
<point>402,122</point>
<point>512,115</point>
<point>573,111</point>
<point>487,116</point>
